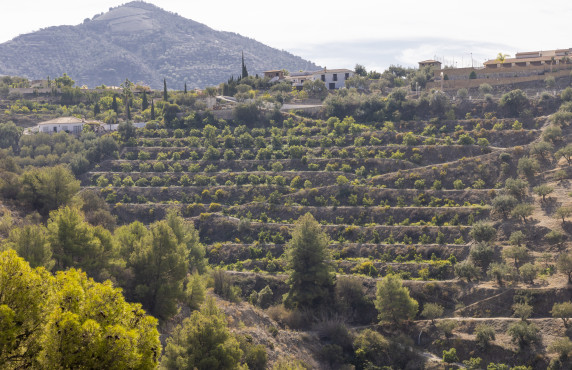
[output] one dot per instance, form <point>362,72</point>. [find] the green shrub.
<point>450,356</point>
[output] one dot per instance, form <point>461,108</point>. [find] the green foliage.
<point>522,210</point>
<point>528,272</point>
<point>372,349</point>
<point>484,335</point>
<point>516,187</point>
<point>514,102</point>
<point>202,342</point>
<point>46,189</point>
<point>504,204</point>
<point>523,333</point>
<point>223,286</point>
<point>522,310</point>
<point>265,297</point>
<point>70,321</point>
<point>447,327</point>
<point>516,238</point>
<point>564,265</point>
<point>432,311</point>
<point>30,242</point>
<point>160,264</point>
<point>9,135</point>
<point>393,302</point>
<point>563,311</point>
<point>482,254</point>
<point>195,291</point>
<point>528,166</point>
<point>311,279</point>
<point>450,356</point>
<point>75,243</point>
<point>483,231</point>
<point>467,270</point>
<point>500,272</point>
<point>518,253</point>
<point>562,347</point>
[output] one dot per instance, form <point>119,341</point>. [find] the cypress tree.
<point>114,104</point>
<point>185,87</point>
<point>152,110</point>
<point>244,71</point>
<point>145,103</point>
<point>96,109</point>
<point>165,95</point>
<point>128,111</point>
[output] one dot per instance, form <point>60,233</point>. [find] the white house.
<point>333,78</point>
<point>298,78</point>
<point>67,124</point>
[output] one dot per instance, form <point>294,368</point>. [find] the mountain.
<point>144,43</point>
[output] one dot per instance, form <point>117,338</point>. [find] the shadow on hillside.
<point>550,205</point>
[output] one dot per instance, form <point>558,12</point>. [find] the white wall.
<point>329,78</point>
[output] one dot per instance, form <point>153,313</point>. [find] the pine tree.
<point>203,341</point>
<point>393,301</point>
<point>244,71</point>
<point>165,95</point>
<point>152,110</point>
<point>145,103</point>
<point>160,265</point>
<point>311,279</point>
<point>43,328</point>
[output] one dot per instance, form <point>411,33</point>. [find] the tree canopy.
<point>311,279</point>
<point>70,321</point>
<point>393,302</point>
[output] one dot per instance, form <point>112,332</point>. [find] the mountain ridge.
<point>144,43</point>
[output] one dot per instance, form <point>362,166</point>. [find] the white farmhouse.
<point>333,78</point>
<point>67,124</point>
<point>298,78</point>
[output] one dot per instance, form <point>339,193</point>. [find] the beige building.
<point>430,63</point>
<point>533,59</point>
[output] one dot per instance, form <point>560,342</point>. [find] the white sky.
<point>450,29</point>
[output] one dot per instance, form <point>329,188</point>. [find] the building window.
<point>347,76</point>
<point>335,76</point>
<point>76,129</point>
<point>324,78</point>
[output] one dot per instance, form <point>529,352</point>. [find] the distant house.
<point>333,78</point>
<point>275,75</point>
<point>37,84</point>
<point>298,78</point>
<point>66,124</point>
<point>533,59</point>
<point>430,63</point>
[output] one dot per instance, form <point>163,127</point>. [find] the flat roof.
<point>62,121</point>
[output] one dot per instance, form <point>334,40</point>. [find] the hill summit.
<point>144,43</point>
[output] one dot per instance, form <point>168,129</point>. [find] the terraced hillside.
<point>409,197</point>
<point>388,195</point>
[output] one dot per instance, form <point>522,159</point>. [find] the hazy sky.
<point>339,34</point>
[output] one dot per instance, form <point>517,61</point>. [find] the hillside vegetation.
<point>387,230</point>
